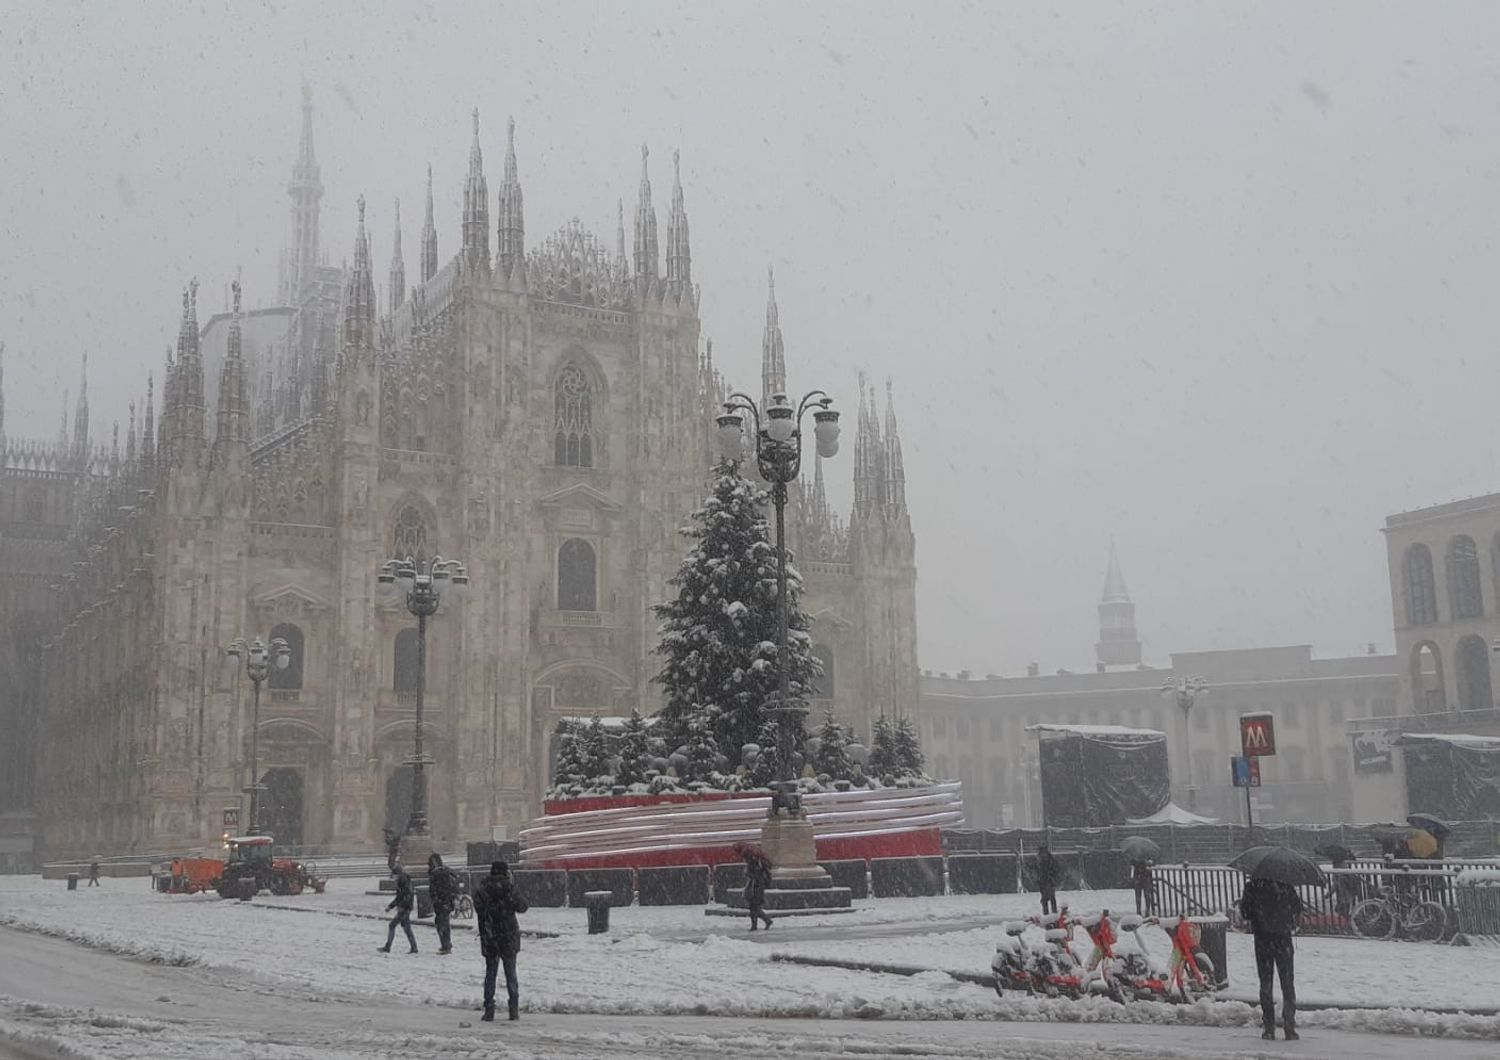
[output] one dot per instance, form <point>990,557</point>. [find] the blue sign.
<point>1245,771</point>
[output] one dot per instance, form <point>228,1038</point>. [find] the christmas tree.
<point>884,765</point>
<point>832,759</point>
<point>571,769</point>
<point>718,636</point>
<point>701,748</point>
<point>595,755</point>
<point>909,759</point>
<point>767,767</point>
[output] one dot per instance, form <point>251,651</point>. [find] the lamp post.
<point>776,443</point>
<point>423,583</point>
<point>1184,692</point>
<point>258,660</point>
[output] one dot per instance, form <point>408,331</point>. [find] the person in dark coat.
<point>1272,908</point>
<point>757,879</point>
<point>94,873</point>
<point>442,886</point>
<point>496,903</point>
<point>1145,888</point>
<point>1048,874</point>
<point>402,904</point>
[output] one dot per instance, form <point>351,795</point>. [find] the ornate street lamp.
<point>424,584</point>
<point>776,443</point>
<point>258,659</point>
<point>1184,692</point>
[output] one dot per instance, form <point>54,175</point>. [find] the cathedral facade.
<point>542,414</point>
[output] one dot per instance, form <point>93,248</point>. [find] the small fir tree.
<point>909,759</point>
<point>571,767</point>
<point>701,748</point>
<point>635,751</point>
<point>767,768</point>
<point>884,765</point>
<point>833,756</point>
<point>596,754</point>
<point>718,635</point>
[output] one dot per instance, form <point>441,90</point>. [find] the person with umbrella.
<point>757,879</point>
<point>1141,852</point>
<point>1271,906</point>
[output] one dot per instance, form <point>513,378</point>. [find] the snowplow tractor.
<point>248,869</point>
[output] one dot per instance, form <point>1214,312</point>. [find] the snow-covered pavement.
<point>312,972</point>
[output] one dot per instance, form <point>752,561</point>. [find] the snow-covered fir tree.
<point>766,769</point>
<point>571,769</point>
<point>832,759</point>
<point>884,765</point>
<point>635,751</point>
<point>595,755</point>
<point>718,636</point>
<point>701,747</point>
<point>908,746</point>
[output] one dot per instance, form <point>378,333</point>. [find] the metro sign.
<point>1257,735</point>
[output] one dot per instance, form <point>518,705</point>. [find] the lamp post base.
<point>797,880</point>
<point>414,851</point>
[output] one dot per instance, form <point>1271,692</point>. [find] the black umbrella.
<point>1439,830</point>
<point>1138,849</point>
<point>1334,852</point>
<point>1278,863</point>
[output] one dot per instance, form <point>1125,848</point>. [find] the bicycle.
<point>464,908</point>
<point>1399,913</point>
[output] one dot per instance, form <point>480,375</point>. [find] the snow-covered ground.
<point>678,962</point>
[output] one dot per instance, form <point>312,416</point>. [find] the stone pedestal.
<point>414,851</point>
<point>798,882</point>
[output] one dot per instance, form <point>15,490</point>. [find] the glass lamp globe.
<point>826,430</point>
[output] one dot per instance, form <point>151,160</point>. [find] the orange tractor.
<point>249,869</point>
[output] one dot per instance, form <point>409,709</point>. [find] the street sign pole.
<point>1249,816</point>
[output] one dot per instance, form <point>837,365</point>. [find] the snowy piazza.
<point>882,530</point>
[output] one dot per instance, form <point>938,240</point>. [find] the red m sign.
<point>1257,735</point>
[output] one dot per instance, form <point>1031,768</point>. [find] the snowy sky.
<point>1214,280</point>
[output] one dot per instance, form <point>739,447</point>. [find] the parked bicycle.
<point>1399,913</point>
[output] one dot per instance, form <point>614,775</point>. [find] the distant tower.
<point>305,189</point>
<point>1118,644</point>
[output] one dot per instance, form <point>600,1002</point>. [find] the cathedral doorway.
<point>398,795</point>
<point>281,809</point>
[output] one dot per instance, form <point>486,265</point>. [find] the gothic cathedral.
<point>543,415</point>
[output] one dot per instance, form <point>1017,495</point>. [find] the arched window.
<point>1473,664</point>
<point>406,672</point>
<point>1421,593</point>
<point>409,538</point>
<point>573,433</point>
<point>1428,693</point>
<point>577,576</point>
<point>823,686</point>
<point>291,677</point>
<point>1465,599</point>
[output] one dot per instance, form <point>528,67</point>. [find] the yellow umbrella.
<point>1422,844</point>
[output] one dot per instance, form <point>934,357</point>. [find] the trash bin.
<point>424,903</point>
<point>597,903</point>
<point>72,881</point>
<point>1214,941</point>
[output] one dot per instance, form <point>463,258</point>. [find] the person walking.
<point>442,886</point>
<point>1048,873</point>
<point>402,904</point>
<point>1145,888</point>
<point>1271,908</point>
<point>496,903</point>
<point>94,872</point>
<point>757,879</point>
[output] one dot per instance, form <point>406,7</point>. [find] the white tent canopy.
<point>1171,813</point>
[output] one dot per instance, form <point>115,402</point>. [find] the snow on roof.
<point>1462,739</point>
<point>1094,730</point>
<point>1171,813</point>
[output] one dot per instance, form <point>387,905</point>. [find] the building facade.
<point>974,730</point>
<point>541,413</point>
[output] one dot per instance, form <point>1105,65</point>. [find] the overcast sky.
<point>1217,281</point>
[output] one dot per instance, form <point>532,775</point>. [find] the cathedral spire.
<point>429,237</point>
<point>62,431</point>
<point>646,249</point>
<point>148,428</point>
<point>130,438</point>
<point>359,299</point>
<point>895,464</point>
<point>679,257</point>
<point>512,223</point>
<point>1119,644</point>
<point>772,352</point>
<point>81,417</point>
<point>2,405</point>
<point>622,263</point>
<point>306,190</point>
<point>230,440</point>
<point>397,291</point>
<point>476,207</point>
<point>187,390</point>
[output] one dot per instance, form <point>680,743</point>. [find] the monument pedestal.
<point>798,882</point>
<point>414,851</point>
